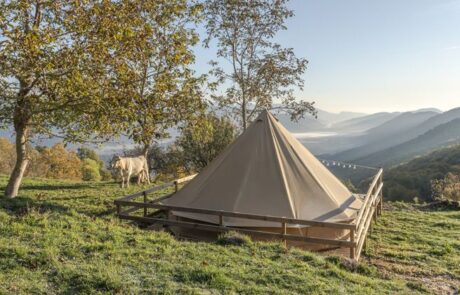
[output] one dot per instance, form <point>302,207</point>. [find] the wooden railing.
<point>371,209</point>
<point>357,229</point>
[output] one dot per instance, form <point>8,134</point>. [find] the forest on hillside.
<point>419,179</point>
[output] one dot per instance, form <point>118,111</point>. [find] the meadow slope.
<point>63,237</point>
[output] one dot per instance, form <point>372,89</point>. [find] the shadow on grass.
<point>22,205</point>
<point>54,187</point>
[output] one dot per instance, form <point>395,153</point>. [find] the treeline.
<point>198,144</point>
<point>432,177</point>
<point>56,162</point>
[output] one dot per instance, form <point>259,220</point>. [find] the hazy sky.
<point>375,55</point>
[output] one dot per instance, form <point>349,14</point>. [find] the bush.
<point>446,189</point>
<point>90,170</point>
<point>87,153</point>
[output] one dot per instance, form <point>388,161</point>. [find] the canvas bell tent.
<point>268,185</point>
<point>267,171</point>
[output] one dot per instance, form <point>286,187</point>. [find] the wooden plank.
<point>240,215</point>
<point>131,196</point>
<point>145,201</point>
<point>221,220</point>
<point>368,195</point>
<point>284,227</point>
<point>352,239</point>
<point>157,188</point>
<point>187,178</point>
<point>152,220</point>
<point>362,238</point>
<point>370,208</point>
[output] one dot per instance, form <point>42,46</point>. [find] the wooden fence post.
<point>283,225</point>
<point>381,196</point>
<point>176,186</point>
<point>352,239</point>
<point>145,201</point>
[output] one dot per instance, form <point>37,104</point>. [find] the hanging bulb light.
<point>333,163</point>
<point>354,167</point>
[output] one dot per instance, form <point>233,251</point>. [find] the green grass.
<point>63,237</point>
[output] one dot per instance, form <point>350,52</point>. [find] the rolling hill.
<point>323,121</point>
<point>363,123</point>
<point>393,132</point>
<point>412,180</point>
<point>401,132</point>
<point>438,137</point>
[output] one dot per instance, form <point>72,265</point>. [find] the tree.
<point>64,69</point>
<point>7,156</point>
<point>90,170</point>
<point>166,91</point>
<point>261,71</point>
<point>60,163</point>
<point>202,142</point>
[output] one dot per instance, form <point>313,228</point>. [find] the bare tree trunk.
<point>244,115</point>
<point>22,160</point>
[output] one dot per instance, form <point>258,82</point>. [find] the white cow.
<point>131,166</point>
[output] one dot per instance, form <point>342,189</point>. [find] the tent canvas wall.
<point>267,171</point>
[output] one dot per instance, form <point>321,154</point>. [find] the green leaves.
<point>261,71</point>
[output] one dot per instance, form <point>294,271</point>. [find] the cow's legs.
<point>140,178</point>
<point>147,176</point>
<point>128,179</point>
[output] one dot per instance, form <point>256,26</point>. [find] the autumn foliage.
<point>55,162</point>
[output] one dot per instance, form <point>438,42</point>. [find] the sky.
<point>374,55</point>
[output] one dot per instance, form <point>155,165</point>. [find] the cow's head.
<point>116,162</point>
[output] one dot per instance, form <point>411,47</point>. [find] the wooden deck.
<point>128,208</point>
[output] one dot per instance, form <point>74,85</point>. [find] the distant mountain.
<point>307,124</point>
<point>329,118</point>
<point>392,132</point>
<point>412,180</point>
<point>310,124</point>
<point>428,110</point>
<point>363,123</point>
<point>438,137</point>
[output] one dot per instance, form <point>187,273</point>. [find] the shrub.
<point>90,170</point>
<point>87,153</point>
<point>447,188</point>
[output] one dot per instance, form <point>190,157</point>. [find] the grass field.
<point>63,237</point>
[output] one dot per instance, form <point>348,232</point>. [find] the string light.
<point>345,165</point>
